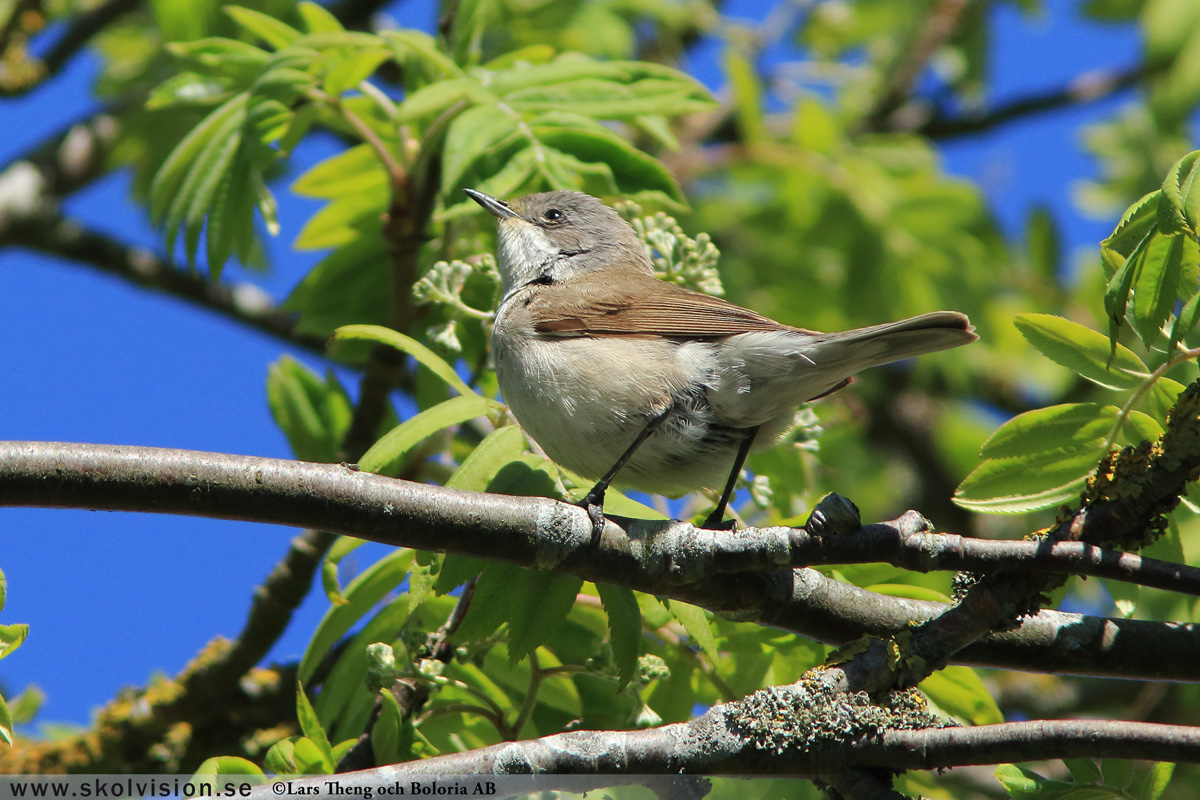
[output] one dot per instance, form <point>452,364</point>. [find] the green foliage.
<point>1113,778</point>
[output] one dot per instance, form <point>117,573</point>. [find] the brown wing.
<point>639,305</point>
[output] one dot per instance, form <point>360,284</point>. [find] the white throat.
<point>526,253</point>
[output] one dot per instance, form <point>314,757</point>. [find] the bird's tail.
<point>875,345</point>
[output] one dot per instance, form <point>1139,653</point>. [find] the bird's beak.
<point>497,208</point>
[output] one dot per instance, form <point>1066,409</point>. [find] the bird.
<point>622,377</point>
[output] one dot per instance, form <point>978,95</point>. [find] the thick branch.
<point>542,533</point>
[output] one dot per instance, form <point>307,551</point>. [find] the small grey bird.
<point>621,376</point>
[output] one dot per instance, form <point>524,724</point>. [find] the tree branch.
<point>1085,88</point>
<point>47,232</point>
<point>545,534</point>
<point>71,42</point>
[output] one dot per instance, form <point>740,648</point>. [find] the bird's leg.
<point>715,520</point>
<point>593,501</point>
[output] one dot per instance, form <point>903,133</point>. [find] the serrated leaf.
<point>313,413</point>
<point>1120,284</point>
<point>491,603</point>
<point>695,622</point>
<point>1027,483</point>
<point>216,57</point>
<point>272,31</point>
<point>343,287</point>
<point>388,454</point>
<point>1177,210</point>
<point>437,97</point>
<point>633,170</point>
<point>624,629</point>
<point>1160,264</point>
<point>1082,350</point>
<point>311,726</point>
<point>609,100</point>
<point>406,344</point>
<point>11,637</point>
<point>363,593</point>
<point>958,691</point>
<point>1135,224</point>
<point>1071,426</point>
<point>540,602</point>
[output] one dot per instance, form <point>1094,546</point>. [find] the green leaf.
<point>1179,208</point>
<point>388,454</point>
<point>540,602</point>
<point>1156,781</point>
<point>187,89</point>
<point>344,287</point>
<point>472,135</point>
<point>1160,263</point>
<point>1118,772</point>
<point>437,97</point>
<point>695,621</point>
<point>1136,223</point>
<point>363,593</point>
<point>215,57</point>
<point>347,218</point>
<point>280,759</point>
<point>498,449</point>
<point>1071,426</point>
<point>747,95</point>
<point>1082,350</point>
<point>1083,770</point>
<point>1025,784</point>
<point>632,169</point>
<point>11,637</point>
<point>624,629</point>
<point>1116,293</point>
<point>491,603</point>
<point>311,726</point>
<point>1044,244</point>
<point>225,765</point>
<point>959,692</point>
<point>275,33</point>
<point>178,165</point>
<point>6,723</point>
<point>314,414</point>
<point>385,735</point>
<point>424,47</point>
<point>342,547</point>
<point>318,20</point>
<point>609,100</point>
<point>1026,483</point>
<point>354,67</point>
<point>1161,398</point>
<point>406,344</point>
<point>1142,427</point>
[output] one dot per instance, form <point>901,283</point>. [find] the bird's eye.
<point>553,215</point>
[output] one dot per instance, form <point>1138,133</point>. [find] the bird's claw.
<point>593,504</point>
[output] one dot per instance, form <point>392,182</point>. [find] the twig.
<point>939,26</point>
<point>1086,88</point>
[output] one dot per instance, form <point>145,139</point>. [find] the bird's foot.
<point>714,522</point>
<point>593,504</point>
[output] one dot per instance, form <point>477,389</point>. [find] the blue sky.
<point>113,598</point>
